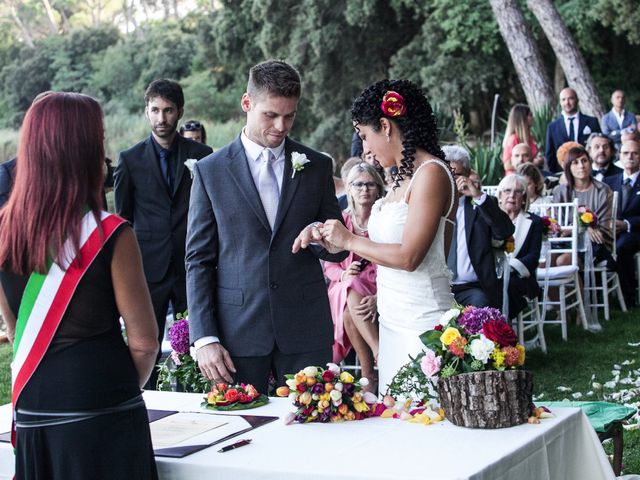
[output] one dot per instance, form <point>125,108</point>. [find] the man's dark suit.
<point>482,224</point>
<point>159,217</point>
<point>557,135</point>
<point>244,285</point>
<point>522,281</point>
<point>610,171</point>
<point>7,172</point>
<point>627,243</point>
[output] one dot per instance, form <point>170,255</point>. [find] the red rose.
<point>301,387</point>
<point>327,376</point>
<point>500,332</point>
<point>244,398</point>
<point>231,395</point>
<point>438,328</point>
<point>393,104</point>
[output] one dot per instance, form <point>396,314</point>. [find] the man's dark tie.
<point>626,190</point>
<point>167,168</point>
<point>572,131</point>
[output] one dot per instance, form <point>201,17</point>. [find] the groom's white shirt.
<point>255,156</point>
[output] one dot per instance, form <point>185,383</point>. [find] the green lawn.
<point>610,358</point>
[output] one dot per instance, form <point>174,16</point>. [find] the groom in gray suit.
<point>254,306</point>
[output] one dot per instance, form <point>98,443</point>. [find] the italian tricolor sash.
<point>46,298</point>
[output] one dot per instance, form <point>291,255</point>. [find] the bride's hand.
<point>336,234</point>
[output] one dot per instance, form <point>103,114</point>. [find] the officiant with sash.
<point>255,307</point>
<point>68,272</point>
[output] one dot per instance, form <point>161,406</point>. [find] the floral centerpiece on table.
<point>329,395</point>
<point>586,217</point>
<point>181,367</point>
<point>234,397</point>
<point>550,227</point>
<point>467,339</point>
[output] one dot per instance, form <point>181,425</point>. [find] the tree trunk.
<point>488,399</point>
<point>26,35</point>
<point>559,82</point>
<point>524,53</point>
<point>566,50</point>
<point>53,25</point>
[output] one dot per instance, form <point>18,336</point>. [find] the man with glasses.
<point>152,188</point>
<point>478,221</point>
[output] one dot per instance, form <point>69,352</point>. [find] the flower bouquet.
<point>181,367</point>
<point>586,217</point>
<point>550,227</point>
<point>327,396</point>
<point>476,356</point>
<point>234,397</point>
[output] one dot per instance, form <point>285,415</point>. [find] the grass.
<point>575,365</point>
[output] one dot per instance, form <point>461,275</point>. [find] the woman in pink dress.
<point>352,287</point>
<point>518,131</point>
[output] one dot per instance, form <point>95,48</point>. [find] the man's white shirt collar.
<point>633,177</point>
<point>255,151</point>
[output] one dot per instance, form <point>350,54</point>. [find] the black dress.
<point>86,368</point>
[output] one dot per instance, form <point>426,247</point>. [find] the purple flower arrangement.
<point>473,319</point>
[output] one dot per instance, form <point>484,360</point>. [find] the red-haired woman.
<point>68,271</point>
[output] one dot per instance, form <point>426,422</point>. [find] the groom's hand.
<point>309,234</point>
<point>215,363</point>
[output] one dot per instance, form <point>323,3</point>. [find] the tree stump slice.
<point>489,399</point>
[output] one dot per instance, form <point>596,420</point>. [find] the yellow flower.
<point>346,377</point>
<point>300,377</point>
<point>498,357</point>
<point>449,335</point>
<point>305,398</point>
<point>361,406</point>
<point>328,387</point>
<point>586,217</point>
<point>522,355</point>
<point>325,396</point>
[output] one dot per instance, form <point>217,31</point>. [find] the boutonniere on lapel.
<point>189,163</point>
<point>298,162</point>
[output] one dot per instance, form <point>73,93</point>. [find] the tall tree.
<point>569,56</point>
<point>524,53</point>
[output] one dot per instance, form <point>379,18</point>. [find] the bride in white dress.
<point>410,228</point>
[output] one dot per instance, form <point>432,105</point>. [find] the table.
<point>564,447</point>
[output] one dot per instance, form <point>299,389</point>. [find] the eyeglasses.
<point>363,185</point>
<point>190,126</point>
<point>509,191</point>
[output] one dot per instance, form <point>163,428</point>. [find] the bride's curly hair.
<point>418,124</point>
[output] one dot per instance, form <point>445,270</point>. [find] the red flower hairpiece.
<point>393,104</point>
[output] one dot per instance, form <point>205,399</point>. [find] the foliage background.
<point>113,49</point>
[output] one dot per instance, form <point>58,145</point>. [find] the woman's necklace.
<point>357,225</point>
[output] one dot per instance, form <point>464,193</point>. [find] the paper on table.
<point>183,429</point>
<point>174,429</point>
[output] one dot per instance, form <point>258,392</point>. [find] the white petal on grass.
<point>628,362</point>
<point>563,389</point>
<point>617,367</point>
<point>589,393</point>
<point>576,395</point>
<point>636,344</point>
<point>611,384</point>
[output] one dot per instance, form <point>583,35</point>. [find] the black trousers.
<point>256,370</point>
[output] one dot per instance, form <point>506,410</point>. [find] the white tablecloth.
<point>560,448</point>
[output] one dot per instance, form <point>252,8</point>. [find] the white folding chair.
<point>608,281</point>
<point>490,190</point>
<point>566,277</point>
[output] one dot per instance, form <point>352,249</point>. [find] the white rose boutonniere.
<point>189,163</point>
<point>298,161</point>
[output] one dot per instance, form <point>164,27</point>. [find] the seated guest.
<point>561,155</point>
<point>194,130</point>
<point>601,150</point>
<point>518,131</point>
<point>478,221</point>
<point>594,195</point>
<point>534,180</point>
<point>618,121</point>
<point>523,285</point>
<point>628,221</point>
<point>7,172</point>
<point>344,172</point>
<point>352,287</point>
<point>79,411</point>
<point>520,154</point>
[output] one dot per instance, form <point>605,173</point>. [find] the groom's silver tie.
<point>268,186</point>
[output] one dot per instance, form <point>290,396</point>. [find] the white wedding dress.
<point>409,303</point>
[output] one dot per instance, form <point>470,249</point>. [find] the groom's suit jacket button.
<point>273,285</point>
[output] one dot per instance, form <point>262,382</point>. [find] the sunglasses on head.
<point>190,126</point>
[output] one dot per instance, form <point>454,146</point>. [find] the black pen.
<point>239,444</point>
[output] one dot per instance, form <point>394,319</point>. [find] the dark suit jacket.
<point>482,224</point>
<point>159,218</point>
<point>611,170</point>
<point>557,135</point>
<point>243,283</point>
<point>630,211</point>
<point>523,281</point>
<point>7,172</point>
